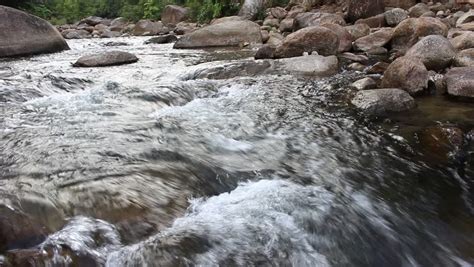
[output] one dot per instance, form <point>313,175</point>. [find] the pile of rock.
<point>173,22</point>
<point>416,47</point>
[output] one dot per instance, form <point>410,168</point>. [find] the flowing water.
<point>145,165</point>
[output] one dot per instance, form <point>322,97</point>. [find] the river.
<point>144,165</point>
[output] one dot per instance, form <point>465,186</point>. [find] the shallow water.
<point>141,164</point>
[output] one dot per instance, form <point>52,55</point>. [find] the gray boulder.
<point>406,73</point>
<point>460,82</point>
<point>411,30</point>
<point>251,8</point>
<point>364,84</point>
<point>435,51</point>
<point>223,33</point>
<point>25,34</point>
<point>111,58</point>
<point>319,39</point>
<point>393,17</point>
<point>345,38</point>
<point>162,39</point>
<point>147,27</point>
<point>313,65</point>
<point>383,101</point>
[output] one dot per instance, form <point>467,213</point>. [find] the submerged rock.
<point>320,39</point>
<point>407,73</point>
<point>25,34</point>
<point>435,51</point>
<point>441,142</point>
<point>106,59</point>
<point>232,32</point>
<point>163,39</point>
<point>460,82</point>
<point>382,101</point>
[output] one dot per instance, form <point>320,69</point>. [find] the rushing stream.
<point>143,165</point>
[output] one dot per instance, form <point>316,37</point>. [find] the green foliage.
<point>70,11</point>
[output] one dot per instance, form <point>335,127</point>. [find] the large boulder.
<point>435,51</point>
<point>25,34</point>
<point>111,58</point>
<point>406,73</point>
<point>460,82</point>
<point>162,39</point>
<point>230,32</point>
<point>383,101</point>
<point>468,17</point>
<point>465,58</point>
<point>409,31</point>
<point>377,39</point>
<point>173,14</point>
<point>92,20</point>
<point>320,39</point>
<point>358,9</point>
<point>358,30</point>
<point>345,38</point>
<point>418,10</point>
<point>147,27</point>
<point>118,24</point>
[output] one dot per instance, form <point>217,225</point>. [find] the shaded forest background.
<point>70,11</point>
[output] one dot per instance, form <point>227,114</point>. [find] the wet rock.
<point>465,58</point>
<point>115,44</point>
<point>345,38</point>
<point>383,101</point>
<point>173,14</point>
<point>460,82</point>
<point>418,10</point>
<point>287,25</point>
<point>319,39</point>
<point>356,66</point>
<point>405,4</point>
<point>25,34</point>
<point>441,142</point>
<point>313,65</point>
<point>435,51</point>
<point>224,33</point>
<point>358,30</point>
<point>364,84</point>
<point>265,51</point>
<point>373,22</point>
<point>463,41</point>
<point>18,230</point>
<point>146,27</point>
<point>377,39</point>
<point>162,39</point>
<point>409,31</point>
<point>358,9</point>
<point>393,17</point>
<point>406,73</point>
<point>232,69</point>
<point>106,59</point>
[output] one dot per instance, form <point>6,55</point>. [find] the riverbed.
<point>143,164</point>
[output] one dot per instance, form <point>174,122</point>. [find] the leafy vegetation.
<point>69,11</point>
